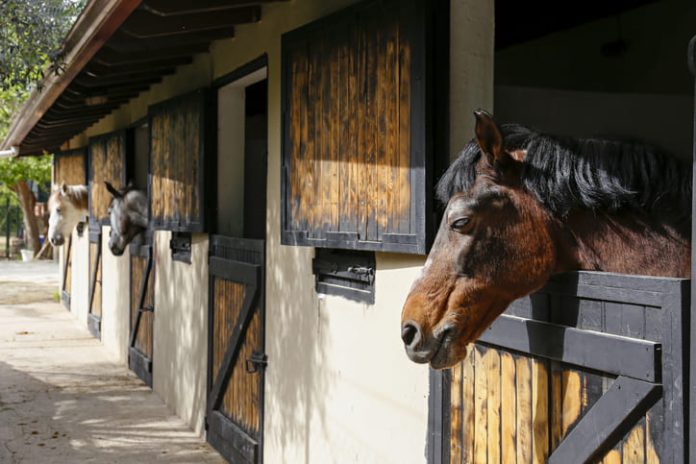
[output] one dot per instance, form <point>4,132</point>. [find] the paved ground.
<point>62,399</point>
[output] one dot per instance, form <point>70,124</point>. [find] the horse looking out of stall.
<point>127,216</point>
<point>67,208</point>
<point>522,206</point>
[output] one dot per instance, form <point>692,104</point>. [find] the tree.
<point>30,46</point>
<point>14,176</point>
<point>31,39</point>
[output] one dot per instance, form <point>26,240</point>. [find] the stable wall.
<point>180,351</point>
<point>338,385</point>
<point>582,114</point>
<point>115,299</point>
<point>79,293</point>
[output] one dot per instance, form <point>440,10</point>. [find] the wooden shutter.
<point>70,167</point>
<point>177,152</point>
<point>355,129</point>
<point>107,163</point>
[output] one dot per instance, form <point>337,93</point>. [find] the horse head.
<point>493,246</point>
<point>67,206</point>
<point>127,216</point>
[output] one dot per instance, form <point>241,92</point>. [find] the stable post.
<point>691,392</point>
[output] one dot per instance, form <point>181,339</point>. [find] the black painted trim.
<point>604,424</point>
<point>141,365</point>
<point>630,357</point>
<point>241,72</point>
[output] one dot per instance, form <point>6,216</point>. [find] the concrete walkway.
<point>64,400</point>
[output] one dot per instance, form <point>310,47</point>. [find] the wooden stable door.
<point>95,282</point>
<point>142,307</point>
<point>236,348</point>
<point>588,370</point>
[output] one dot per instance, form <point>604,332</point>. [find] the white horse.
<point>68,208</point>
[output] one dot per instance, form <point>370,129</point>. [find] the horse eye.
<point>460,224</point>
<point>58,210</point>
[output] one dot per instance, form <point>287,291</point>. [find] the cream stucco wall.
<point>180,332</point>
<point>338,386</point>
<point>115,299</point>
<point>79,292</point>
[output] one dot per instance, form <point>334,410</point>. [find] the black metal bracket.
<point>255,362</point>
<point>180,245</point>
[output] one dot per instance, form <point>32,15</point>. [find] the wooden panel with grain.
<point>143,340</point>
<point>349,178</point>
<point>176,162</point>
<point>95,261</point>
<point>69,167</point>
<point>106,164</point>
<point>241,395</point>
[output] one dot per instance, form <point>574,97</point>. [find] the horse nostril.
<point>410,333</point>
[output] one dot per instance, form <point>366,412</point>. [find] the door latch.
<point>255,362</point>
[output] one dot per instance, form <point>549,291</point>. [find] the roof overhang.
<point>116,50</point>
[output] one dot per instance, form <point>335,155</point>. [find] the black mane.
<point>566,173</point>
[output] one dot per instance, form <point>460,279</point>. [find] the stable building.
<point>289,151</point>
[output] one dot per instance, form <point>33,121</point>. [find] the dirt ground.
<point>63,399</point>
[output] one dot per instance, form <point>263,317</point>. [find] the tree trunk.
<point>31,225</point>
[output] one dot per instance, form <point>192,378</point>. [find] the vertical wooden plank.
<point>492,364</point>
<point>469,405</point>
<point>404,182</point>
<point>540,416</point>
<point>651,454</point>
<point>480,407</point>
<point>456,405</point>
<point>379,165</point>
<point>556,405</point>
<point>612,457</point>
<point>371,139</point>
<point>335,138</point>
<point>346,148</point>
<point>508,407</point>
<point>572,399</point>
<point>634,446</point>
<point>524,410</point>
<point>361,152</point>
<point>391,216</point>
<point>298,137</point>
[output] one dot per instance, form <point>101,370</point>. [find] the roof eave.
<point>96,24</point>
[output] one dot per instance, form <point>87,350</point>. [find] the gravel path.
<point>63,400</point>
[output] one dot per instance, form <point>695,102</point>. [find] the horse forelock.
<point>566,173</point>
<point>76,195</point>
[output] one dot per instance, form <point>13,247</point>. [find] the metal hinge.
<point>362,270</point>
<point>255,362</point>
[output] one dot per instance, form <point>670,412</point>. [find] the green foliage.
<point>31,39</point>
<point>36,168</point>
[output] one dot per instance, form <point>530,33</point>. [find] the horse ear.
<point>489,137</point>
<point>63,188</point>
<point>112,190</point>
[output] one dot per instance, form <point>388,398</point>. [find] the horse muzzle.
<point>433,349</point>
<point>57,240</point>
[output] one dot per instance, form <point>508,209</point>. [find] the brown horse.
<point>522,206</point>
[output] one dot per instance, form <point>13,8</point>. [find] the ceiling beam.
<point>145,25</point>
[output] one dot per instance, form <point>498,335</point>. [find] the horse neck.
<point>625,243</point>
